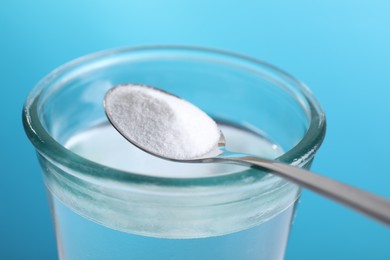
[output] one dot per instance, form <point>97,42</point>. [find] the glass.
<point>166,210</point>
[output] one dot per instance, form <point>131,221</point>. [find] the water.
<point>105,146</point>
<point>81,238</point>
<point>166,231</point>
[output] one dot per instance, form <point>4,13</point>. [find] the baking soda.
<point>160,123</point>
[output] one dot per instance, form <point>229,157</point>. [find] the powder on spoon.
<point>161,123</point>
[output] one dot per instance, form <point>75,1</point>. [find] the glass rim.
<point>52,150</point>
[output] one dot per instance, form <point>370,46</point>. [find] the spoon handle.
<point>365,202</point>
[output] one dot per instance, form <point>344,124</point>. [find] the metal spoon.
<point>362,201</point>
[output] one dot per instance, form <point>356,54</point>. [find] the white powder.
<point>160,123</point>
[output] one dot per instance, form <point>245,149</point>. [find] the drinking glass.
<point>111,201</point>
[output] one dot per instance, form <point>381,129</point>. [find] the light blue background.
<point>341,49</point>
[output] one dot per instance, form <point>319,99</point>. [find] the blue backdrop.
<point>341,49</point>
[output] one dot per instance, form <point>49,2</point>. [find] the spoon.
<point>362,201</point>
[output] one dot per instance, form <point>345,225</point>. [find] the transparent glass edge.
<point>302,152</point>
